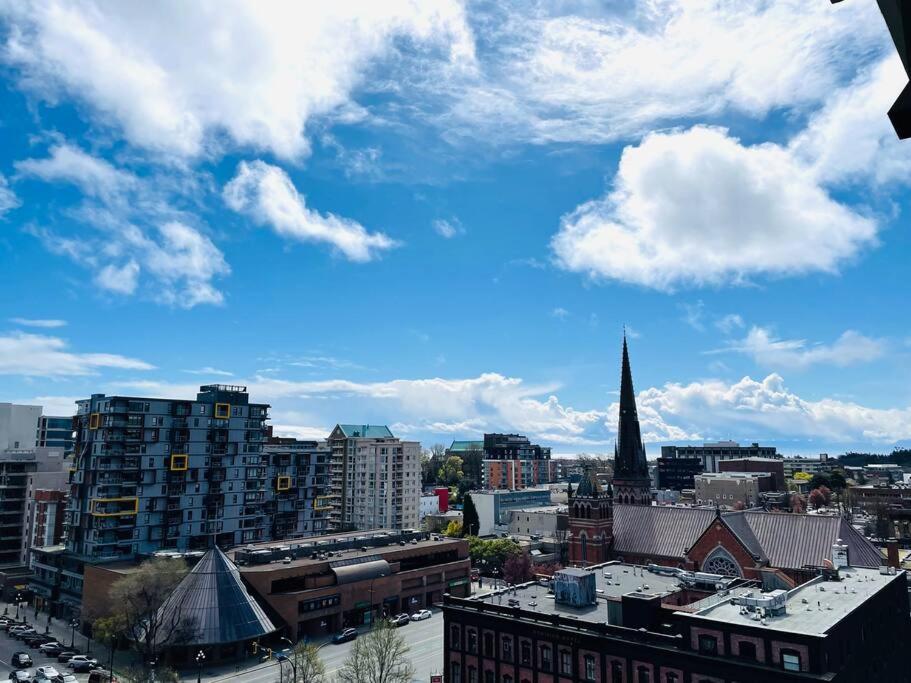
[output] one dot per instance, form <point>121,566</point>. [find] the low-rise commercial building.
<point>429,505</point>
<point>541,522</point>
<point>617,622</point>
<point>771,466</point>
<point>727,489</point>
<point>494,507</point>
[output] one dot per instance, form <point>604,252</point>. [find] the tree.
<point>798,504</point>
<point>817,499</point>
<point>471,524</point>
<point>451,471</point>
<point>453,529</point>
<point>820,480</point>
<point>802,476</point>
<point>308,667</point>
<point>491,553</point>
<point>826,493</point>
<point>837,481</point>
<point>135,602</point>
<point>428,473</point>
<point>378,657</point>
<point>518,568</point>
<point>437,458</point>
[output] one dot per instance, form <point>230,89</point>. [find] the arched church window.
<point>721,562</point>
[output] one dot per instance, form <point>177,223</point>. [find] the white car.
<point>80,660</point>
<point>45,673</point>
<point>420,615</point>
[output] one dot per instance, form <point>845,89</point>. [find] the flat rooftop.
<point>812,608</point>
<point>612,581</point>
<point>548,509</point>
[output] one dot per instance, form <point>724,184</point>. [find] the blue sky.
<point>441,215</point>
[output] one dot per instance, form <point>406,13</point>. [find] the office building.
<point>495,507</point>
<point>677,474</point>
<point>772,466</point>
<point>55,432</point>
<point>820,465</point>
<point>153,474</point>
<point>512,462</point>
<point>622,623</point>
<point>300,504</point>
<point>375,479</point>
<point>712,453</point>
<point>884,474</point>
<point>18,426</point>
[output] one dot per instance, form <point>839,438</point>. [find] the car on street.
<point>37,639</point>
<point>420,615</point>
<point>399,619</point>
<point>21,660</point>
<point>52,648</point>
<point>46,673</point>
<point>82,663</point>
<point>345,636</point>
<point>19,631</point>
<point>66,655</point>
<point>19,676</point>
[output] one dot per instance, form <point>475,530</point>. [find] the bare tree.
<point>378,657</point>
<point>308,667</point>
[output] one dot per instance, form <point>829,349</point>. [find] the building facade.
<point>547,522</point>
<point>512,462</point>
<point>728,489</point>
<point>495,507</point>
<point>773,466</point>
<point>301,503</point>
<point>626,624</point>
<point>18,426</point>
<point>55,432</point>
<point>375,479</point>
<point>591,522</point>
<point>153,474</point>
<point>820,465</point>
<point>711,454</point>
<point>678,474</point>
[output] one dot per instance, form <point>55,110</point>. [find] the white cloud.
<point>34,355</point>
<point>560,313</point>
<point>730,322</point>
<point>699,208</point>
<point>119,279</point>
<point>761,345</point>
<point>183,78</point>
<point>266,193</point>
<point>448,229</point>
<point>8,199</point>
<point>33,322</point>
<point>209,370</point>
<point>610,71</point>
<point>693,314</point>
<point>60,406</point>
<point>94,176</point>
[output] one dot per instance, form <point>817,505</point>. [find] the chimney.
<point>892,553</point>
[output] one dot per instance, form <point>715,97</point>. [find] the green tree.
<point>837,481</point>
<point>451,471</point>
<point>379,657</point>
<point>428,473</point>
<point>453,529</point>
<point>471,524</point>
<point>491,553</point>
<point>819,480</point>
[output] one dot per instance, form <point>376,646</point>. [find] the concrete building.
<point>512,462</point>
<point>543,522</point>
<point>18,426</point>
<point>710,454</point>
<point>429,505</point>
<point>884,474</point>
<point>375,479</point>
<point>494,507</point>
<point>153,474</point>
<point>820,465</point>
<point>45,512</point>
<point>773,466</point>
<point>55,432</point>
<point>301,503</point>
<point>727,489</point>
<point>620,622</point>
<point>352,579</point>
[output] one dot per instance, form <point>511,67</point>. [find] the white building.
<point>430,505</point>
<point>375,479</point>
<point>494,507</point>
<point>18,426</point>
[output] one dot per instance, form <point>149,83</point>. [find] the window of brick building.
<point>507,649</point>
<point>455,637</point>
<point>525,650</point>
<point>566,662</point>
<point>790,660</point>
<point>546,659</point>
<point>589,668</point>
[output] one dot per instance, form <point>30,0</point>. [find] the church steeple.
<point>631,481</point>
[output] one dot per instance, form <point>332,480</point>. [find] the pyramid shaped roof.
<point>212,605</point>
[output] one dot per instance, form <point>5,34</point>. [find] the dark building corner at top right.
<point>897,14</point>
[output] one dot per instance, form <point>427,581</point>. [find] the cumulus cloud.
<point>34,355</point>
<point>8,198</point>
<point>182,78</point>
<point>130,230</point>
<point>266,193</point>
<point>765,349</point>
<point>697,207</point>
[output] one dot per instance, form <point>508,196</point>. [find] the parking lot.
<point>9,646</point>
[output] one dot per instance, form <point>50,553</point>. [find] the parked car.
<point>19,676</point>
<point>37,639</point>
<point>65,678</point>
<point>420,615</point>
<point>21,633</point>
<point>46,673</point>
<point>101,676</point>
<point>399,619</point>
<point>21,660</point>
<point>53,648</point>
<point>345,636</point>
<point>66,655</point>
<point>82,663</point>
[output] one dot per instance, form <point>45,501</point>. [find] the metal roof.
<point>212,606</point>
<point>366,431</point>
<point>459,446</point>
<point>658,531</point>
<point>362,571</point>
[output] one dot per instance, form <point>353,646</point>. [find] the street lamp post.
<point>18,600</point>
<point>285,658</point>
<point>73,624</point>
<point>200,658</point>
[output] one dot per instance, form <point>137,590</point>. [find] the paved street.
<point>8,646</point>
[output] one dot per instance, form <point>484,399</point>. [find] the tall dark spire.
<point>630,466</point>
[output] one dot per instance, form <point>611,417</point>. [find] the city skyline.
<point>447,227</point>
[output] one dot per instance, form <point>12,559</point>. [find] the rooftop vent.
<point>773,603</point>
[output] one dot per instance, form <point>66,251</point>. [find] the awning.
<point>363,571</point>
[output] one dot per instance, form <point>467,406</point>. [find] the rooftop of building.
<point>545,509</point>
<point>510,492</point>
<point>755,458</point>
<point>460,446</point>
<point>613,580</point>
<point>733,475</point>
<point>349,548</point>
<point>812,608</point>
<point>352,431</point>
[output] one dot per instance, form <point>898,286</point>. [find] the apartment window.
<point>507,678</point>
<point>708,645</point>
<point>589,668</point>
<point>790,660</point>
<point>643,675</point>
<point>456,671</point>
<point>507,649</point>
<point>566,662</point>
<point>671,677</point>
<point>455,637</point>
<point>472,675</point>
<point>488,645</point>
<point>616,672</point>
<point>488,677</point>
<point>525,653</point>
<point>472,641</point>
<point>546,658</point>
<point>748,650</point>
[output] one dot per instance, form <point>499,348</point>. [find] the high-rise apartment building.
<point>301,504</point>
<point>375,479</point>
<point>18,425</point>
<point>153,474</point>
<point>512,462</point>
<point>55,432</point>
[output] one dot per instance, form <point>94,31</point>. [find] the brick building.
<point>773,466</point>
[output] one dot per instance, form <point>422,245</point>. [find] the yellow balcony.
<point>95,502</point>
<point>222,410</point>
<point>179,462</point>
